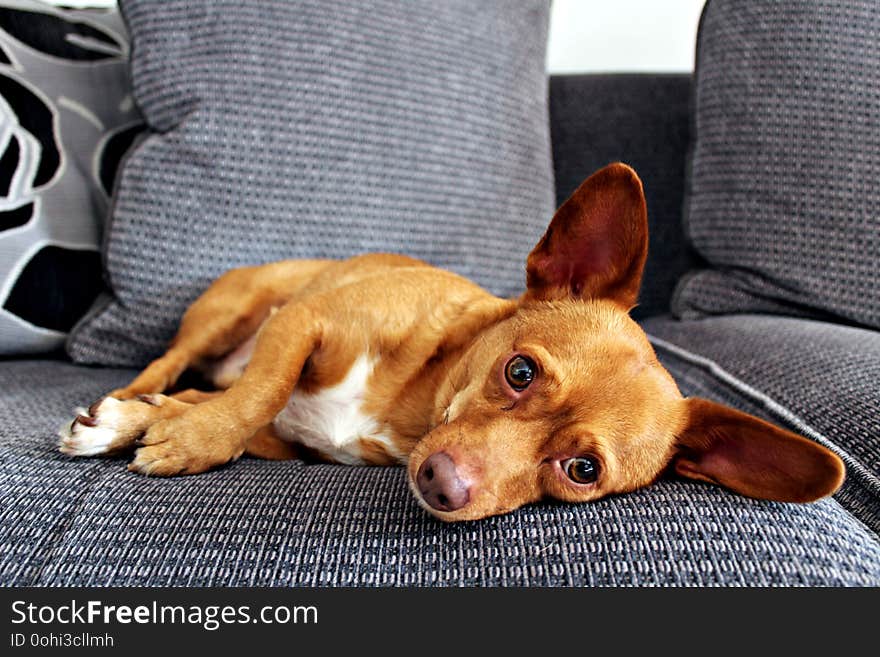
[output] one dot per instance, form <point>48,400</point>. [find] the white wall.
<point>622,35</point>
<point>598,35</point>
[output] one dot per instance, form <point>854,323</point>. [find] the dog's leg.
<point>111,425</point>
<point>222,321</point>
<point>264,444</point>
<point>218,430</point>
<point>225,316</point>
<point>192,396</point>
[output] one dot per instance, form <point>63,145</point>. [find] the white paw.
<point>100,429</point>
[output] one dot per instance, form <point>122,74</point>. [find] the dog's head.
<point>567,400</point>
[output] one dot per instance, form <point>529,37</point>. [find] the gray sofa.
<point>90,522</point>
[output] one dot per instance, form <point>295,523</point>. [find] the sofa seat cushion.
<point>90,522</point>
<point>816,378</point>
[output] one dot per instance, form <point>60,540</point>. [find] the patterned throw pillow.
<point>66,119</point>
<point>306,128</point>
<point>783,201</point>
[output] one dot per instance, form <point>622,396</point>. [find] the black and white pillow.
<point>66,119</point>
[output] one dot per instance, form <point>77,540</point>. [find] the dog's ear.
<point>596,244</point>
<point>753,457</point>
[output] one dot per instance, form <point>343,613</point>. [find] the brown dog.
<point>492,403</point>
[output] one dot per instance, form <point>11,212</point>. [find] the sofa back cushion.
<point>783,201</point>
<point>302,128</point>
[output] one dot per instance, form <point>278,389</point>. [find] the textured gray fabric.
<point>782,198</point>
<point>824,375</point>
<point>643,120</point>
<point>312,129</point>
<point>89,522</point>
<point>63,107</point>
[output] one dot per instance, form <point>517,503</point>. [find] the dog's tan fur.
<point>440,345</point>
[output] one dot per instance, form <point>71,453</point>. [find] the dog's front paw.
<point>177,447</point>
<point>109,425</point>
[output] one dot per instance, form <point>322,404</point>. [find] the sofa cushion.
<point>90,522</point>
<point>66,118</point>
<point>782,198</point>
<point>819,379</point>
<point>643,120</point>
<point>290,129</point>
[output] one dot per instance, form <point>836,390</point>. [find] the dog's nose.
<point>440,484</point>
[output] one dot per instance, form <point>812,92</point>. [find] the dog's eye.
<point>519,372</point>
<point>581,470</point>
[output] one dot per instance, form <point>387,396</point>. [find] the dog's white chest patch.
<point>332,420</point>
